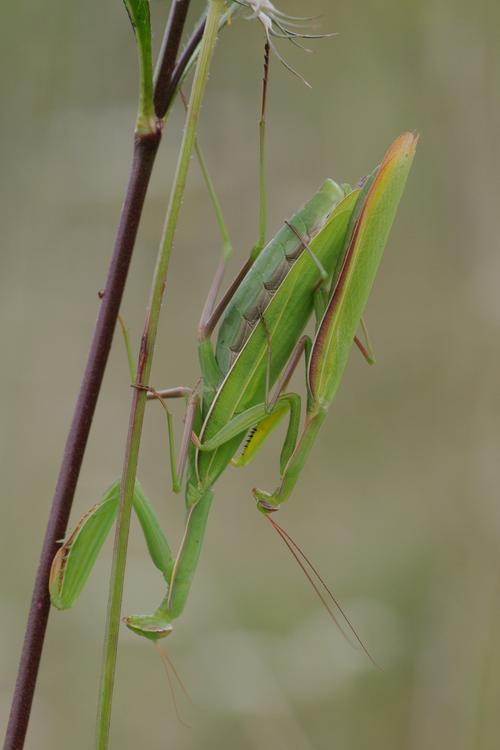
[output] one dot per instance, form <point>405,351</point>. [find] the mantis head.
<point>263,504</point>
<point>153,627</point>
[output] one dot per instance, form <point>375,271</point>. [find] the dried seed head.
<point>280,25</point>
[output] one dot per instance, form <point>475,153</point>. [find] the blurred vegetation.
<point>399,502</point>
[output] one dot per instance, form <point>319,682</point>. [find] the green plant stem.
<point>146,117</point>
<point>128,348</point>
<point>262,180</point>
<point>144,364</point>
<point>262,161</point>
<point>140,18</point>
<point>226,241</point>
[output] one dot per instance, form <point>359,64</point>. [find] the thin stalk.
<point>144,364</point>
<point>227,247</point>
<point>262,154</point>
<point>262,159</point>
<point>145,149</point>
<point>128,348</point>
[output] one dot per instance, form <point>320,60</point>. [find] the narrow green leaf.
<point>138,12</point>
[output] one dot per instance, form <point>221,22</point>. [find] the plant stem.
<point>145,149</point>
<point>144,364</point>
<point>262,154</point>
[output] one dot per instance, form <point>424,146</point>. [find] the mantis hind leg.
<point>290,403</point>
<point>177,468</point>
<point>365,347</point>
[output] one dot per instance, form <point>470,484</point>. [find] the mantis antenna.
<point>309,571</point>
<point>170,668</point>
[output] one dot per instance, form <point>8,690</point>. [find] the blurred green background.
<point>398,504</point>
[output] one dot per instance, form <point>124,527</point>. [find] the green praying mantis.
<point>321,263</point>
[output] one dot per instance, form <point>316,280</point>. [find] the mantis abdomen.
<point>268,272</point>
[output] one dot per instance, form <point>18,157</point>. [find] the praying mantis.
<point>322,263</point>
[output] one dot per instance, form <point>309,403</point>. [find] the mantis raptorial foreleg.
<point>263,418</point>
<point>261,431</point>
<point>262,426</point>
<point>257,416</point>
